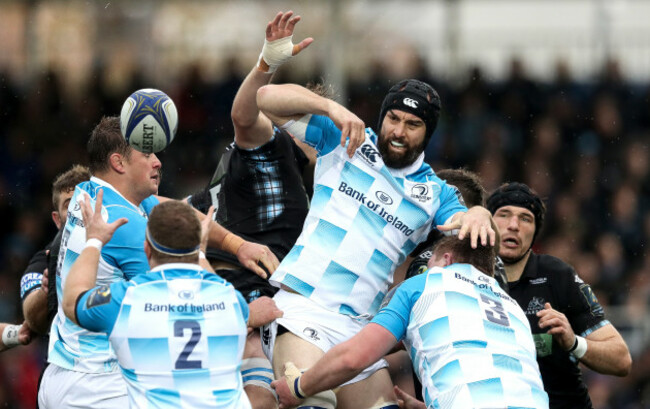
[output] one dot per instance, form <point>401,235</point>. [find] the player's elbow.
<point>68,305</point>
<point>263,97</point>
<point>624,364</point>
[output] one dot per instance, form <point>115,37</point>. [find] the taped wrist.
<point>274,54</point>
<point>10,336</point>
<point>231,243</point>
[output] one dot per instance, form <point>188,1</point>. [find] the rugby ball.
<point>149,120</point>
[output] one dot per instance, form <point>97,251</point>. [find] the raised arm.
<point>286,102</point>
<point>252,128</point>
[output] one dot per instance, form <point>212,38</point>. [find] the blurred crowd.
<point>583,145</point>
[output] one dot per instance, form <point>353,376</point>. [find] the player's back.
<point>179,335</point>
<point>471,343</point>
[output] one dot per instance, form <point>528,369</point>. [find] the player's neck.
<point>123,186</point>
<point>516,269</point>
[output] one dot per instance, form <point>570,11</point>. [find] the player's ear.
<point>116,162</point>
<point>448,258</point>
<point>56,218</point>
<point>147,250</point>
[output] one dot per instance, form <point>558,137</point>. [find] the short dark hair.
<point>105,140</point>
<point>482,257</point>
<point>174,225</point>
<point>66,181</point>
<point>467,182</point>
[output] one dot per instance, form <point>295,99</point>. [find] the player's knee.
<point>257,372</point>
<point>322,400</point>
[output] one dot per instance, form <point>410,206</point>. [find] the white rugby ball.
<point>149,120</point>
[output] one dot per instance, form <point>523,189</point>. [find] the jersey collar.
<point>104,183</point>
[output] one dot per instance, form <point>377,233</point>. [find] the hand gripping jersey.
<point>72,347</point>
<point>470,343</point>
<point>179,334</point>
<point>364,219</point>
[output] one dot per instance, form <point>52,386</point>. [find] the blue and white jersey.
<point>364,219</point>
<point>470,343</point>
<point>72,347</point>
<point>179,334</point>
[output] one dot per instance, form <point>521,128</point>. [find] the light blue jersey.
<point>179,334</point>
<point>364,219</point>
<point>72,347</point>
<point>470,343</point>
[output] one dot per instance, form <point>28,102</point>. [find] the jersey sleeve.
<point>149,203</point>
<point>585,314</point>
<point>97,308</point>
<point>317,131</point>
<point>395,316</point>
<point>31,279</point>
<point>450,204</point>
<point>126,249</point>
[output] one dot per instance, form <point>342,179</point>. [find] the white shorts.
<point>62,388</point>
<point>316,325</point>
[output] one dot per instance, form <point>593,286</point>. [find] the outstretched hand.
<point>96,227</point>
<point>477,222</point>
<point>278,46</point>
<point>263,311</point>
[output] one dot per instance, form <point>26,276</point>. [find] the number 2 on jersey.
<point>494,311</point>
<point>179,330</point>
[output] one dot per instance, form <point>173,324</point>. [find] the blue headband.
<point>168,250</point>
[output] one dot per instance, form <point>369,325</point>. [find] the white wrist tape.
<point>10,336</point>
<point>96,243</point>
<point>202,254</point>
<point>274,54</point>
<point>580,348</point>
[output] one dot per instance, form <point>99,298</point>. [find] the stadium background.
<point>552,93</point>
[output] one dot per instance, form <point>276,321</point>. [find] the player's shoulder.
<point>547,265</point>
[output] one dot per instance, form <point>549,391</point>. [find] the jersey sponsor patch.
<point>99,296</point>
<point>29,282</point>
<point>594,306</point>
<point>543,344</point>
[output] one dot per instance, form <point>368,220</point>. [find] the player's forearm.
<point>287,101</point>
<point>35,311</point>
<point>244,111</point>
<point>82,277</point>
<point>338,366</point>
<point>609,357</point>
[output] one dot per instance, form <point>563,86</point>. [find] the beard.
<point>399,160</point>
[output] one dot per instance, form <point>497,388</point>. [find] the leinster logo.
<point>185,295</point>
<point>369,153</point>
<point>384,198</point>
<point>421,192</point>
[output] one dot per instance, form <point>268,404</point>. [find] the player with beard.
<point>374,200</point>
<point>568,323</point>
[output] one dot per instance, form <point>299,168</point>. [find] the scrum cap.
<point>415,97</point>
<point>520,195</point>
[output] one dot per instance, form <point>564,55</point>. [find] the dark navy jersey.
<point>548,279</point>
<point>259,194</point>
